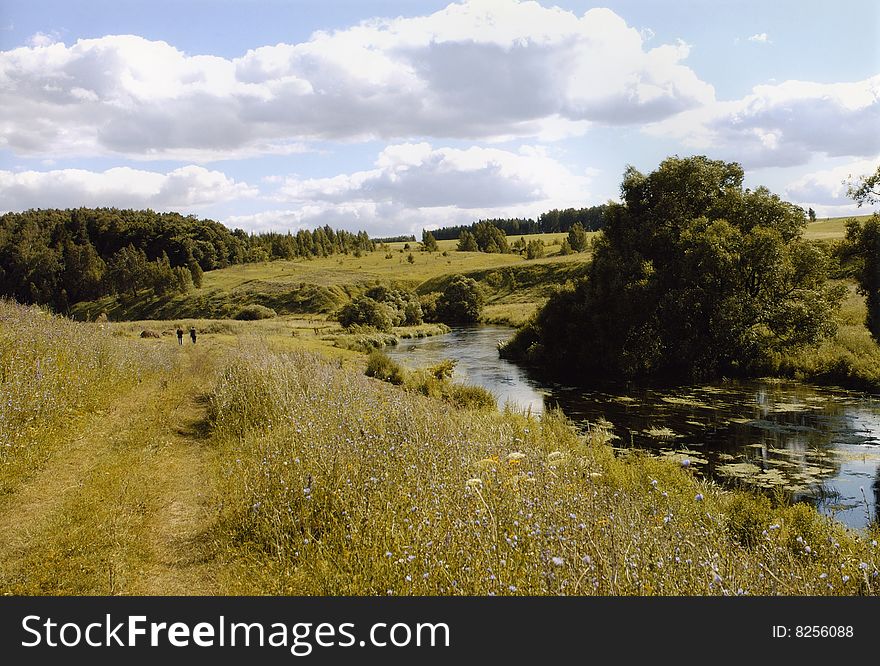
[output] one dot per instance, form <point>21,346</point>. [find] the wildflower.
<point>654,482</point>
<point>863,566</point>
<point>699,497</point>
<point>845,578</point>
<point>774,526</point>
<point>388,553</point>
<point>685,463</point>
<point>555,457</point>
<point>512,588</point>
<point>474,484</point>
<point>823,575</point>
<point>557,561</point>
<point>808,550</point>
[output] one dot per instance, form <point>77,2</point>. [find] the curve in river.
<point>819,444</point>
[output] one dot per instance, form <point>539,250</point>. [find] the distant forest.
<point>61,257</point>
<point>551,222</point>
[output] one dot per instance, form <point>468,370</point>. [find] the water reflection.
<point>816,444</point>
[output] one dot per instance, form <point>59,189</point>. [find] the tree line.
<point>551,222</point>
<point>60,257</point>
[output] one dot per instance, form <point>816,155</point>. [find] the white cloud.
<point>42,39</point>
<point>785,124</point>
<point>414,186</point>
<point>182,189</point>
<point>483,69</point>
<point>825,190</point>
<point>761,38</point>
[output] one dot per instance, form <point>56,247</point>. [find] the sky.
<point>396,115</point>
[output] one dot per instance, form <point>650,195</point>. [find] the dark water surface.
<point>817,444</point>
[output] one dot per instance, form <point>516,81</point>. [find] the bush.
<point>254,312</point>
<point>365,311</point>
<point>380,366</point>
<point>461,302</point>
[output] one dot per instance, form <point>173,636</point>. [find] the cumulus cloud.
<point>416,185</point>
<point>182,189</point>
<point>825,190</point>
<point>761,38</point>
<point>482,69</point>
<point>785,124</point>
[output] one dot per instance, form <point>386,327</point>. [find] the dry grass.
<point>336,484</point>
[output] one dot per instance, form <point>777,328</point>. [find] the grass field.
<point>230,467</point>
<point>832,228</point>
<point>321,286</point>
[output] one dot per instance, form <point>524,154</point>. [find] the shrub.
<point>365,311</point>
<point>254,312</point>
<point>380,366</point>
<point>461,302</point>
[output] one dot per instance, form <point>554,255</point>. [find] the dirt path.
<point>124,505</point>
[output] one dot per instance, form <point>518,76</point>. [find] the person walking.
<point>192,334</point>
<point>179,335</point>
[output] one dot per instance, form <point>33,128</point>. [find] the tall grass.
<point>52,368</point>
<point>336,484</point>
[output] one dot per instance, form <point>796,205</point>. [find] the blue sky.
<point>396,115</point>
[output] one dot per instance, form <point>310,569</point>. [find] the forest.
<point>61,257</point>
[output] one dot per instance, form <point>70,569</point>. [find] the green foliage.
<point>429,243</point>
<point>405,309</point>
<point>365,311</point>
<point>255,312</point>
<point>565,249</point>
<point>380,366</point>
<point>535,249</point>
<point>693,277</point>
<point>64,257</point>
<point>863,247</point>
<point>577,238</point>
<point>467,242</point>
<point>460,302</point>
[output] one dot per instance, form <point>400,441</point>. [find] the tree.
<point>811,214</point>
<point>460,302</point>
<point>429,243</point>
<point>866,190</point>
<point>577,237</point>
<point>693,277</point>
<point>863,245</point>
<point>365,311</point>
<point>128,270</point>
<point>535,249</point>
<point>467,242</point>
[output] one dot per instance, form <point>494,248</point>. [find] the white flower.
<point>557,561</point>
<point>474,484</point>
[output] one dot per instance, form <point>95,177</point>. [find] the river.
<point>817,444</point>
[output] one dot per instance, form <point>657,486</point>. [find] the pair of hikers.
<point>192,335</point>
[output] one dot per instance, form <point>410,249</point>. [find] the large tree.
<point>863,245</point>
<point>692,277</point>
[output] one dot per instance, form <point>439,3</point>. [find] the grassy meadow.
<point>262,460</point>
<point>320,286</point>
<point>241,465</point>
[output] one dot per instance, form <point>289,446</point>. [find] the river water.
<point>816,444</point>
